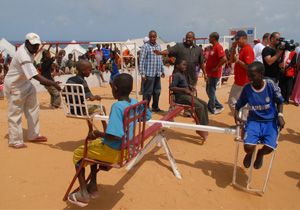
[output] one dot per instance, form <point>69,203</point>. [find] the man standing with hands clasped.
<point>215,61</point>
<point>21,94</point>
<point>151,69</point>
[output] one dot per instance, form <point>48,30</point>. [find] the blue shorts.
<point>257,132</point>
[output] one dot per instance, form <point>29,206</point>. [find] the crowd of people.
<point>265,77</point>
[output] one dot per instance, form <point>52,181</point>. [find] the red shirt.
<point>240,74</point>
<point>214,57</point>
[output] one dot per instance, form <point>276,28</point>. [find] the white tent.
<point>140,42</point>
<point>76,49</point>
<point>7,48</point>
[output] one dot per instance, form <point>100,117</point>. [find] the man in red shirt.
<point>216,58</point>
<point>241,61</point>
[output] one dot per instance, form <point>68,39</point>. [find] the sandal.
<point>39,139</point>
<point>72,199</point>
<point>18,145</point>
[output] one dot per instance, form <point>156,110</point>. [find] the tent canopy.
<point>7,48</point>
<point>76,49</point>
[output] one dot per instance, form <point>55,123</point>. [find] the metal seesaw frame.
<point>159,138</point>
<point>248,187</point>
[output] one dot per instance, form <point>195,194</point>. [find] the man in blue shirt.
<point>265,114</point>
<point>151,69</point>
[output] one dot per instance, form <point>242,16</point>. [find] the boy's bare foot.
<point>78,199</point>
<point>203,134</point>
<point>247,160</point>
<point>259,160</point>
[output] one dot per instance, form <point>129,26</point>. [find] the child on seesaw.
<point>107,146</point>
<point>184,93</point>
<point>265,114</point>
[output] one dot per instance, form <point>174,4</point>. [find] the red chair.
<point>191,107</point>
<point>132,142</point>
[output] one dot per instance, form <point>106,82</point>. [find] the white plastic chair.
<point>75,104</point>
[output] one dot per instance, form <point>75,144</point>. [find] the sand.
<point>37,177</point>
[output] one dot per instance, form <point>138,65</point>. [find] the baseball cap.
<point>33,38</point>
<point>238,35</point>
<point>146,39</point>
<point>90,46</point>
<point>256,40</point>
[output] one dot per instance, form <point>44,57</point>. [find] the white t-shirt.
<point>258,48</point>
<point>297,50</point>
<point>21,70</point>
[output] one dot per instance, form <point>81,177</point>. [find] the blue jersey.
<point>115,70</point>
<point>262,103</point>
<point>106,53</point>
<point>115,124</point>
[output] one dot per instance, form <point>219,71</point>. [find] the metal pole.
<point>136,73</point>
<point>168,124</point>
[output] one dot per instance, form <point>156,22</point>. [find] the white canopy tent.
<point>140,42</point>
<point>7,48</point>
<point>76,49</point>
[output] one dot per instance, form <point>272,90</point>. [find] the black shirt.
<point>46,68</point>
<point>273,70</point>
<point>78,79</point>
<point>178,80</point>
<point>193,56</point>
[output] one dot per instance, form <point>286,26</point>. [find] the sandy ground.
<point>37,177</point>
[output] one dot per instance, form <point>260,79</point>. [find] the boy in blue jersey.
<point>106,146</point>
<point>114,70</point>
<point>265,114</point>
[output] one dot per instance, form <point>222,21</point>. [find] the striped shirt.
<point>151,65</point>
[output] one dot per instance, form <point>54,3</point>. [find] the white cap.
<point>33,38</point>
<point>146,39</point>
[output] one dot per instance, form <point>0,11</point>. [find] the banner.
<point>250,31</point>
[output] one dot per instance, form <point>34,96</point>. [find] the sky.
<point>118,20</point>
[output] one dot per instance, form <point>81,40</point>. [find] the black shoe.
<point>157,110</point>
<point>259,160</point>
<point>247,160</point>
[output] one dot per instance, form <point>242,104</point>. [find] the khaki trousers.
<point>23,100</point>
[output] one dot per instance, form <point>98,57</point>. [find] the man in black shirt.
<point>47,62</point>
<point>189,52</point>
<point>272,58</point>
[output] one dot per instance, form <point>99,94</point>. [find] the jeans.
<point>211,87</point>
<point>152,87</point>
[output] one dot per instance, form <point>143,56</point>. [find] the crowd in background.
<point>104,56</point>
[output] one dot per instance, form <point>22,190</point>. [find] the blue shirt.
<point>115,124</point>
<point>115,70</point>
<point>151,65</point>
<point>262,103</point>
<point>106,53</point>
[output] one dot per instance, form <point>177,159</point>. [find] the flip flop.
<point>72,199</point>
<point>18,146</point>
<point>39,139</point>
